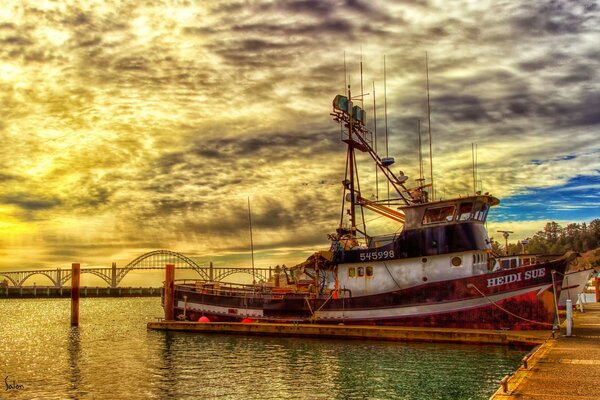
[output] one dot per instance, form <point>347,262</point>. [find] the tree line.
<point>555,239</point>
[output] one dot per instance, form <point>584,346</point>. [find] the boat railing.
<point>240,289</point>
<point>228,289</point>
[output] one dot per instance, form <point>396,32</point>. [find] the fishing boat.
<point>434,270</point>
<point>574,279</point>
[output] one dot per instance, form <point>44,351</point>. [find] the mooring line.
<point>504,309</point>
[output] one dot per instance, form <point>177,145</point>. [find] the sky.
<point>131,126</point>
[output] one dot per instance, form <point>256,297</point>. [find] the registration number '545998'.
<point>376,255</point>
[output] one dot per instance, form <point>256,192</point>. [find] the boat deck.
<point>564,368</point>
<point>385,333</point>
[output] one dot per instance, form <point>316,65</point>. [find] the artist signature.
<point>12,385</point>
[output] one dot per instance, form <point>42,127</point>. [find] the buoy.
<point>203,319</point>
<point>247,321</point>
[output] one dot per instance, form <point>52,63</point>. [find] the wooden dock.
<point>563,368</point>
<point>385,333</point>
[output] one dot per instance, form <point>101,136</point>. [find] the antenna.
<point>505,235</point>
<point>386,120</point>
<point>429,125</point>
<point>345,73</point>
<point>375,143</point>
<point>251,242</point>
<point>476,175</point>
<point>473,167</point>
<point>362,92</point>
<point>420,152</point>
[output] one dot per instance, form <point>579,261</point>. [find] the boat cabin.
<point>454,211</point>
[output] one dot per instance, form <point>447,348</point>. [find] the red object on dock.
<point>247,321</point>
<point>597,286</point>
<point>169,292</point>
<point>203,319</point>
<point>75,281</point>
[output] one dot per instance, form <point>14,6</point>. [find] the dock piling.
<point>75,281</point>
<point>504,383</point>
<point>569,316</point>
<point>169,292</point>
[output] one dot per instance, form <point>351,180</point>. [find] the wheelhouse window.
<point>464,211</point>
<point>361,271</point>
<point>438,214</point>
<point>369,271</point>
<point>482,211</point>
<point>351,272</point>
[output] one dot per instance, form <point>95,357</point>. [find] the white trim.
<point>424,309</point>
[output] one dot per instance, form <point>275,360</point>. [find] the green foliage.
<point>555,239</point>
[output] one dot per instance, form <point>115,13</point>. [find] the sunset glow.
<point>133,126</point>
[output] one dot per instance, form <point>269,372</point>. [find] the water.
<point>112,355</point>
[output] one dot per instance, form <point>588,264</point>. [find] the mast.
<point>429,125</point>
<point>473,167</point>
<point>420,152</point>
<point>351,170</point>
<point>375,143</point>
<point>386,120</point>
<point>362,92</point>
<point>251,242</point>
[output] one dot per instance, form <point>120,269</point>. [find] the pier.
<point>384,333</point>
<point>564,368</point>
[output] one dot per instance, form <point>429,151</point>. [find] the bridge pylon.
<point>58,281</point>
<point>113,276</point>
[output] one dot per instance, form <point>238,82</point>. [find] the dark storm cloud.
<point>577,74</point>
<point>132,64</point>
<point>315,8</point>
<point>255,53</point>
<point>462,108</point>
<point>276,145</point>
<point>555,17</point>
<point>584,113</point>
<point>268,214</point>
<point>91,197</point>
<point>170,206</point>
<point>5,177</point>
<point>29,202</point>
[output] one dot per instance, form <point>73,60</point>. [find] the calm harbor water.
<point>112,356</point>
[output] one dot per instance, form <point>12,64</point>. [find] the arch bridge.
<point>156,259</point>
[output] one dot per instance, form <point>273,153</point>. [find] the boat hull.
<point>522,298</point>
<point>573,285</point>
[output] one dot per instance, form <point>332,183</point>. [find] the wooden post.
<point>569,317</point>
<point>169,292</point>
<point>75,275</point>
<point>597,286</point>
<point>277,273</point>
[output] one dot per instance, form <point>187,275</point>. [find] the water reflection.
<point>112,355</point>
<point>74,350</point>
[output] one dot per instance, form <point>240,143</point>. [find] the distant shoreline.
<point>35,292</point>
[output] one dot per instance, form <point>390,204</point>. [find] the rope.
<point>312,315</point>
<point>555,301</point>
<point>309,307</point>
<point>392,276</point>
<point>470,285</point>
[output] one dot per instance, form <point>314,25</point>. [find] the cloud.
<point>128,127</point>
<point>28,202</point>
